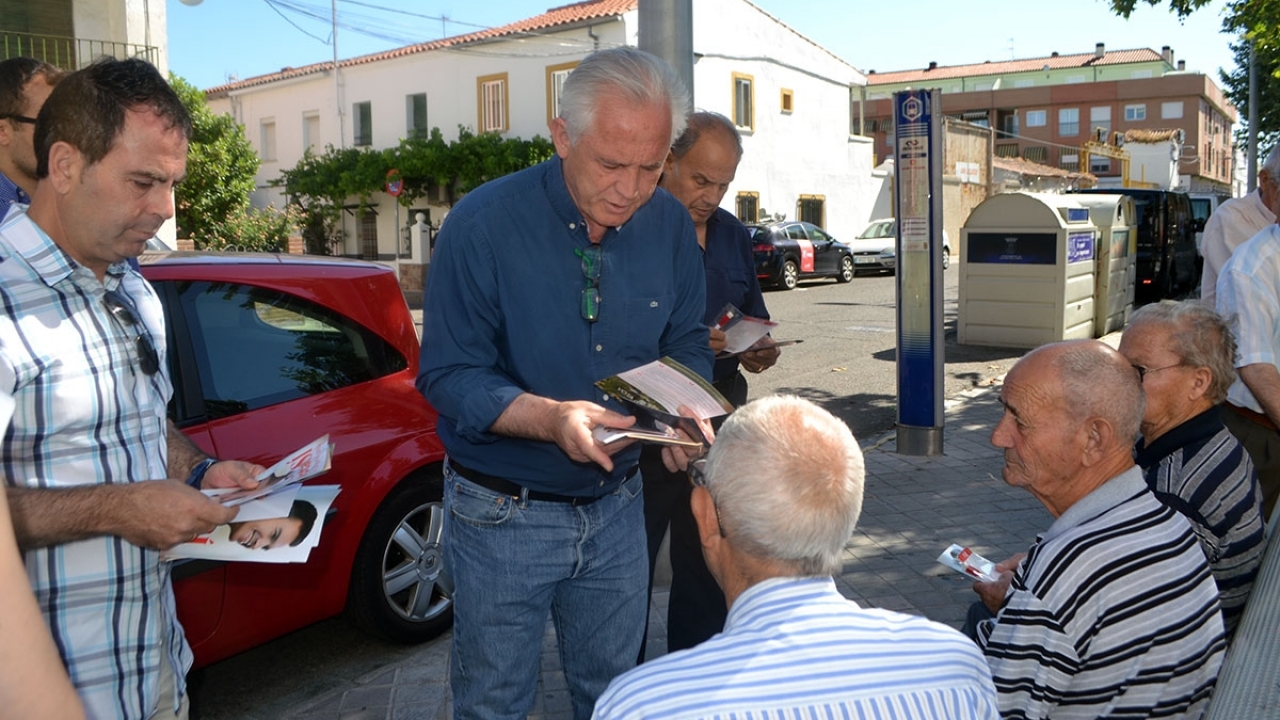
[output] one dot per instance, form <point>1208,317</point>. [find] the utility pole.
<point>337,87</point>
<point>666,30</point>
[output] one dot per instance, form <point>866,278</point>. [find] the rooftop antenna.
<point>1011,55</point>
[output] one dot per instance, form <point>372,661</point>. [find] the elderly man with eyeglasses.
<point>95,471</point>
<point>773,524</point>
<point>1183,352</point>
<point>542,283</point>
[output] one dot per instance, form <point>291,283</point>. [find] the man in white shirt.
<point>775,503</point>
<point>1237,220</point>
<point>1248,295</point>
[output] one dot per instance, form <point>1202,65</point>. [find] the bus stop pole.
<point>918,207</point>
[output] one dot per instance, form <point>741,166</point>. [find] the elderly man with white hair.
<point>775,503</point>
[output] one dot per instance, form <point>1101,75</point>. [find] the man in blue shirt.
<point>773,524</point>
<point>702,164</point>
<point>543,282</point>
<point>24,84</point>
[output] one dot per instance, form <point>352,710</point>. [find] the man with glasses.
<point>24,84</point>
<point>773,524</point>
<point>542,283</point>
<point>83,340</point>
<point>1184,355</point>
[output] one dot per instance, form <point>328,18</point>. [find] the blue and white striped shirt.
<point>794,647</point>
<point>87,415</point>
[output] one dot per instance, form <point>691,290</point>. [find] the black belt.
<point>502,486</point>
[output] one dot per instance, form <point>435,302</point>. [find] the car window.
<point>796,232</point>
<point>256,347</point>
<point>878,230</point>
<point>817,235</point>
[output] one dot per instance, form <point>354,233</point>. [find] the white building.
<point>791,98</point>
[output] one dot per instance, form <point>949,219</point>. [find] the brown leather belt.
<point>1256,417</point>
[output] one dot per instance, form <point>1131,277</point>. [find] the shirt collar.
<point>10,193</point>
<point>50,262</point>
<point>1104,497</point>
<point>1202,426</point>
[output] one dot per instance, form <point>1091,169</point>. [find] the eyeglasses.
<point>1143,371</point>
<point>592,261</point>
<point>698,478</point>
<point>123,310</point>
<point>18,118</point>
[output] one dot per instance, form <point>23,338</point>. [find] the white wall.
<point>448,77</point>
<point>808,151</point>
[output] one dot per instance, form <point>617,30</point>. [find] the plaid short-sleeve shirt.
<point>86,414</point>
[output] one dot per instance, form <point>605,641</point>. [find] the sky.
<point>213,41</point>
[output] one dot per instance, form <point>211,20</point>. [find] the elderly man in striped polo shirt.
<point>775,504</point>
<point>1113,612</point>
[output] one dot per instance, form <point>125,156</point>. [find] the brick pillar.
<point>296,246</point>
<point>186,244</point>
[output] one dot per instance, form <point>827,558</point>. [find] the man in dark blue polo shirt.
<point>543,282</point>
<point>702,164</point>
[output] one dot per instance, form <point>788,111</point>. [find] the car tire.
<point>846,270</point>
<point>946,258</point>
<point>400,591</point>
<point>789,276</point>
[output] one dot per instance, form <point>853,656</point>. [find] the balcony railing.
<point>70,53</point>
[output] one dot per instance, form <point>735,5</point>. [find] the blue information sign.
<point>918,164</point>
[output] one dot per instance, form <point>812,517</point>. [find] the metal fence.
<point>70,53</point>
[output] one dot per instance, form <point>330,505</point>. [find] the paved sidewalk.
<point>914,508</point>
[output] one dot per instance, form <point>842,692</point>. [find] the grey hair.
<point>1199,336</point>
<point>1097,381</point>
<point>1271,166</point>
<point>787,477</point>
<point>624,72</point>
<point>705,121</point>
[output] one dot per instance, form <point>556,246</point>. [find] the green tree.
<point>322,185</point>
<point>221,166</point>
<point>1183,8</point>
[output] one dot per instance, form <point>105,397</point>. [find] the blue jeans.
<point>514,560</point>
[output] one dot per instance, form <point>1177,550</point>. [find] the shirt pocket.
<point>646,321</point>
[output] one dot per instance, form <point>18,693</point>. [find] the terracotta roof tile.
<point>1035,169</point>
<point>1080,60</point>
<point>553,18</point>
<point>1143,135</point>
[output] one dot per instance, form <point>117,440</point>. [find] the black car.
<point>788,252</point>
<point>1167,228</point>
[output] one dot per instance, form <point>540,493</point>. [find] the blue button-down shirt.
<point>731,276</point>
<point>502,317</point>
<point>10,193</point>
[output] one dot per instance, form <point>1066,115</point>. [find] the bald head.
<point>1072,411</point>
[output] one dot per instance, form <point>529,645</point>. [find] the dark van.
<point>1166,241</point>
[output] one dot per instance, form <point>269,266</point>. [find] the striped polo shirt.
<point>1202,471</point>
<point>1112,614</point>
<point>795,648</point>
<point>86,414</point>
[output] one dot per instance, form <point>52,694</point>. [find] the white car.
<point>874,248</point>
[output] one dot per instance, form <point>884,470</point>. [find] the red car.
<point>269,352</point>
